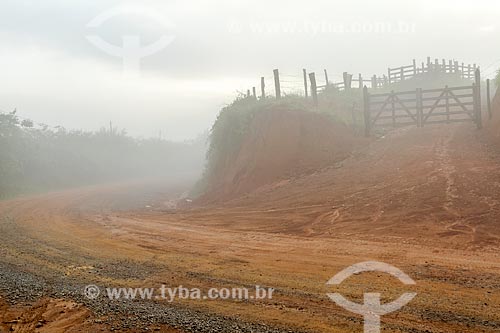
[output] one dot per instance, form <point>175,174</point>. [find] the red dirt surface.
<point>281,144</point>
<point>426,200</point>
<point>46,316</point>
<point>54,316</point>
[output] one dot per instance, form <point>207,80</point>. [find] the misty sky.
<point>52,73</point>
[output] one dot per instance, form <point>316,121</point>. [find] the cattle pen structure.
<point>383,107</point>
<point>309,84</point>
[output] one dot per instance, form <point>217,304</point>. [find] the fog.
<point>44,159</point>
<point>160,72</point>
<point>53,74</point>
<point>249,166</point>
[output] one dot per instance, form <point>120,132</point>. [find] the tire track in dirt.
<point>448,171</point>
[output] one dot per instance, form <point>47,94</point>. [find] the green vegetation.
<point>34,160</point>
<point>234,120</point>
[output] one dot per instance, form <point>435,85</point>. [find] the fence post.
<point>347,80</point>
<point>262,88</point>
<point>402,74</point>
<point>304,72</point>
<point>374,81</point>
<point>414,67</point>
<point>314,88</point>
<point>388,75</point>
<point>326,77</point>
<point>420,109</point>
<point>360,81</point>
<point>277,86</point>
<point>447,92</point>
<point>254,93</point>
<point>479,116</point>
<point>428,63</point>
<point>488,98</point>
<point>366,110</point>
<point>248,92</point>
<point>353,114</point>
<point>393,108</point>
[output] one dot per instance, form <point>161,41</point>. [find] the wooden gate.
<point>420,107</point>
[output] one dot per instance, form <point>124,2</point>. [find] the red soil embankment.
<point>281,144</point>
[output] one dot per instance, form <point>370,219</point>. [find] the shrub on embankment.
<point>256,142</point>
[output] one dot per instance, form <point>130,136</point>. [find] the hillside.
<point>257,142</point>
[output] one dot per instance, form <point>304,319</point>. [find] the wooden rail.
<point>424,106</point>
<point>306,86</point>
<point>451,66</point>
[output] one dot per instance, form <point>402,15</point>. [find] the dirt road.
<point>424,200</point>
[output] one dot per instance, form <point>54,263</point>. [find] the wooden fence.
<point>417,107</point>
<point>451,66</point>
<point>420,107</point>
<point>302,84</point>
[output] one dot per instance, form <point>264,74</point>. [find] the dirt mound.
<point>280,144</point>
<point>46,315</point>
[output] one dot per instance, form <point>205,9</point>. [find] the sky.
<point>169,66</point>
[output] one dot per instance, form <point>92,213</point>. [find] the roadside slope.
<point>438,183</point>
<point>278,144</point>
